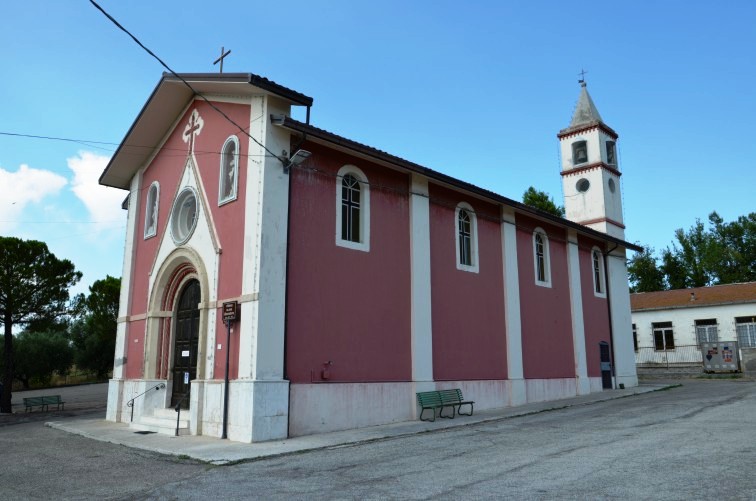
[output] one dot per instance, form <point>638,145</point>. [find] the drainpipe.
<point>605,255</point>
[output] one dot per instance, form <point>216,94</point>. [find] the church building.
<point>282,280</point>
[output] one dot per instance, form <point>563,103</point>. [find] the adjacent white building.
<point>670,326</point>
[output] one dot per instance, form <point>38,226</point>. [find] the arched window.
<point>579,152</point>
<point>352,209</point>
<point>541,258</point>
<point>611,153</point>
<point>151,210</point>
<point>229,171</point>
<point>467,238</point>
<point>599,283</point>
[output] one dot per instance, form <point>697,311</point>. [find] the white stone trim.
<point>546,258</point>
<point>582,383</point>
<point>623,355</point>
<point>512,317</point>
<point>420,281</point>
<point>474,267</point>
<point>364,243</point>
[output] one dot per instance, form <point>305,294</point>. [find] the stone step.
<point>163,422</point>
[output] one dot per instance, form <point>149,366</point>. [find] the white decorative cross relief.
<point>192,129</point>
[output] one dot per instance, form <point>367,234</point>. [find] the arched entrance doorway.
<point>186,343</point>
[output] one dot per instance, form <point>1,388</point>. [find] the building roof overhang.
<point>339,143</point>
<point>170,96</point>
<point>715,295</point>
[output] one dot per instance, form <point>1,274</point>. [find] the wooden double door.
<point>186,343</point>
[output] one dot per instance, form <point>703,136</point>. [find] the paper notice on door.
<point>184,353</point>
<point>186,378</point>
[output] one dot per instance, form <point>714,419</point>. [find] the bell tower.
<point>590,171</point>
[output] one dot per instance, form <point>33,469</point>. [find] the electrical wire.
<point>241,129</point>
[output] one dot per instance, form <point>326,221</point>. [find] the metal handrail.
<point>130,403</point>
<point>178,411</point>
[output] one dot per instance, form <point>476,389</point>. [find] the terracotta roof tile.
<point>689,298</point>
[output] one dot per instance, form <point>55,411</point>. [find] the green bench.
<point>43,402</point>
<point>441,399</point>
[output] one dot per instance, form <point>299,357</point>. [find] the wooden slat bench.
<point>43,402</point>
<point>441,399</point>
<point>454,398</point>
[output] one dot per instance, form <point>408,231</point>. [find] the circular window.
<point>612,187</point>
<point>583,185</point>
<point>184,216</point>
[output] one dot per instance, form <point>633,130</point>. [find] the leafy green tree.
<point>737,248</point>
<point>94,333</point>
<point>722,253</point>
<point>33,286</point>
<point>644,273</point>
<point>541,200</point>
<point>37,355</point>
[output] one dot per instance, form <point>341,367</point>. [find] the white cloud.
<point>23,187</point>
<point>102,203</point>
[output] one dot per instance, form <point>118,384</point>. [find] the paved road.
<point>693,442</point>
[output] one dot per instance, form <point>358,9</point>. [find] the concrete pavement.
<point>217,451</point>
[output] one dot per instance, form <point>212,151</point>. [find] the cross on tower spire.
<point>222,57</point>
<point>582,76</point>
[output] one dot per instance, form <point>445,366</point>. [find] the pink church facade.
<point>361,278</point>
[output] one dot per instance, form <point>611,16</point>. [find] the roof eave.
<point>162,107</point>
<point>333,139</point>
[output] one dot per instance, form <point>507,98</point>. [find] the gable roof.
<point>170,96</point>
<point>691,298</point>
<point>340,143</point>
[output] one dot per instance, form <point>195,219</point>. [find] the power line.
<point>241,129</point>
<point>85,142</point>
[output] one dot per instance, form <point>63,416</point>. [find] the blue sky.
<point>476,90</point>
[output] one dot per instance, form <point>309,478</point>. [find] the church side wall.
<point>595,310</point>
<point>348,310</point>
<point>547,347</point>
<point>469,333</point>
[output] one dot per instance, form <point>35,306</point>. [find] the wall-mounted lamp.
<point>296,159</point>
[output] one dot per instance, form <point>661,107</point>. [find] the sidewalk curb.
<point>218,452</point>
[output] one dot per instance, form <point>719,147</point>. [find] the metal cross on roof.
<point>222,57</point>
<point>582,75</point>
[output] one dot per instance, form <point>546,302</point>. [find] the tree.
<point>37,355</point>
<point>33,286</point>
<point>643,272</point>
<point>723,253</point>
<point>542,201</point>
<point>94,333</point>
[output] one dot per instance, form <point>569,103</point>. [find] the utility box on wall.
<point>720,356</point>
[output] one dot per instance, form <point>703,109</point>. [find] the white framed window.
<point>229,171</point>
<point>466,237</point>
<point>184,216</point>
<point>541,260</point>
<point>599,275</point>
<point>151,210</point>
<point>352,209</point>
<point>664,336</point>
<point>706,331</point>
<point>745,328</point>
